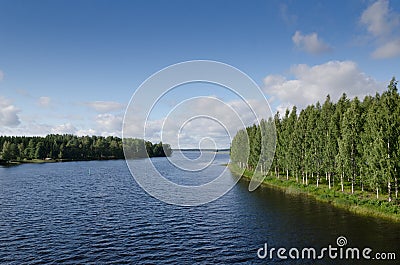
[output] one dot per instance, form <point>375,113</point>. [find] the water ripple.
<point>58,213</point>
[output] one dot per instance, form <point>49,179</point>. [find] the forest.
<point>349,145</point>
<point>71,147</point>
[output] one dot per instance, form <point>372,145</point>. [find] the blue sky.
<point>72,66</point>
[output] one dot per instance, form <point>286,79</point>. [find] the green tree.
<point>240,148</point>
<point>350,144</point>
<point>40,152</point>
<point>287,125</point>
<point>6,151</point>
<point>329,138</point>
<point>292,144</point>
<point>21,148</point>
<point>31,149</point>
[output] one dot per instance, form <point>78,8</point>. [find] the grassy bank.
<point>363,203</point>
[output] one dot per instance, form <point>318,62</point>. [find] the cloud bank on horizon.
<point>81,81</point>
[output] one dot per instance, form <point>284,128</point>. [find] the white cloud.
<point>198,118</point>
<point>310,43</point>
<point>382,23</point>
<point>388,50</point>
<point>44,101</point>
<point>207,118</point>
<point>40,129</point>
<point>86,132</point>
<point>8,113</point>
<point>379,19</point>
<point>105,106</point>
<point>31,129</point>
<point>313,83</point>
<point>66,128</point>
<point>109,123</point>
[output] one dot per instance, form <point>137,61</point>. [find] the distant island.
<point>67,147</point>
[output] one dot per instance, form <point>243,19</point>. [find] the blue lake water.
<point>95,213</point>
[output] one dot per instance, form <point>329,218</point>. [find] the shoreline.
<point>41,161</point>
<point>349,202</point>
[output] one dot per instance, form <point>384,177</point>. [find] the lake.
<point>94,213</point>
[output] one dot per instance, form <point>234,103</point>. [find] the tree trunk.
<point>302,174</point>
<point>377,193</point>
<point>389,184</point>
<point>341,181</point>
<point>329,180</point>
<point>395,184</point>
<point>317,179</point>
<point>306,178</point>
<point>287,174</point>
<point>353,178</point>
<point>361,184</point>
<point>352,183</point>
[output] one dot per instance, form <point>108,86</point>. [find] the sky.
<point>73,66</point>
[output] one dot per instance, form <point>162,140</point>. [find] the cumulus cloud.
<point>66,128</point>
<point>41,129</point>
<point>191,122</point>
<point>44,101</point>
<point>313,83</point>
<point>109,122</point>
<point>379,19</point>
<point>30,129</point>
<point>310,43</point>
<point>388,50</point>
<point>105,106</point>
<point>208,118</point>
<point>382,24</point>
<point>8,113</point>
<point>85,132</point>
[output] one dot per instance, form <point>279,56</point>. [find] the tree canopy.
<point>71,147</point>
<point>353,143</point>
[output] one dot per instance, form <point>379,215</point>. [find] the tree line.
<point>71,147</point>
<point>350,144</point>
